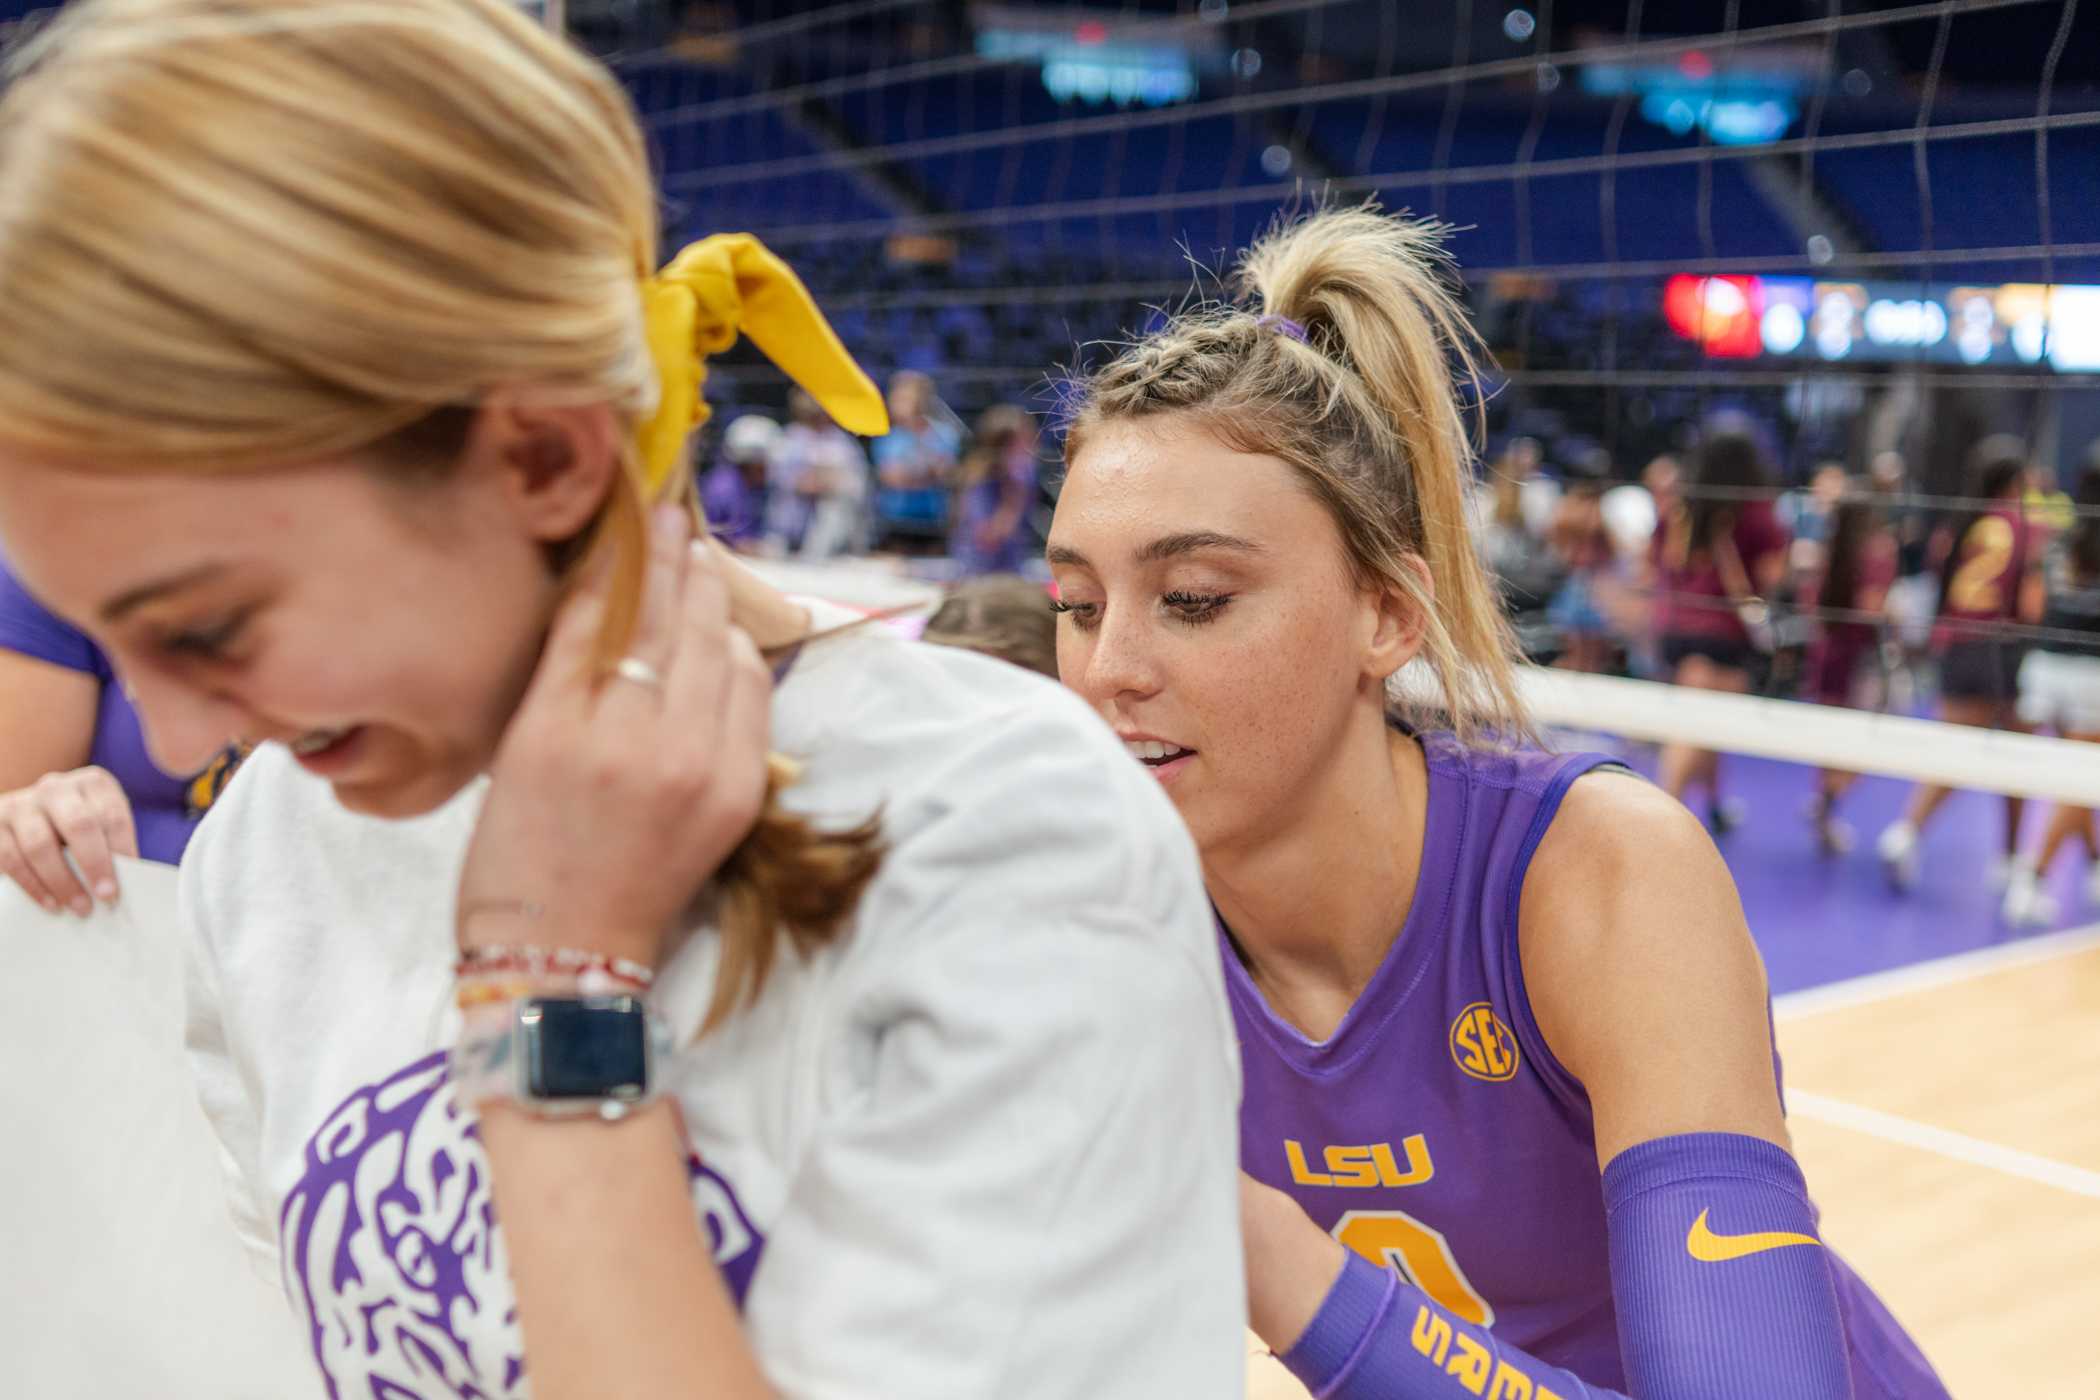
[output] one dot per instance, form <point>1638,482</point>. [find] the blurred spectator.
<point>1914,598</point>
<point>2044,501</point>
<point>1579,539</point>
<point>998,485</point>
<point>1631,513</point>
<point>914,466</point>
<point>1889,476</point>
<point>76,779</point>
<point>1521,461</point>
<point>1000,615</point>
<point>733,492</point>
<point>1807,514</point>
<point>1664,478</point>
<point>1717,556</point>
<point>2060,690</point>
<point>1526,570</point>
<point>1629,516</point>
<point>1847,595</point>
<point>819,485</point>
<point>1990,576</point>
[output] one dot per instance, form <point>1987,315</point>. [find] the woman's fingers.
<point>695,669</point>
<point>716,709</point>
<point>78,812</point>
<point>38,842</point>
<point>656,637</point>
<point>572,640</point>
<point>745,733</point>
<point>114,806</point>
<point>16,867</point>
<point>613,803</point>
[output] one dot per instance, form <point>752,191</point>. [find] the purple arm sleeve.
<point>1723,1293</point>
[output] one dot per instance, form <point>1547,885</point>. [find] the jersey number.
<point>1393,1239</point>
<point>1978,585</point>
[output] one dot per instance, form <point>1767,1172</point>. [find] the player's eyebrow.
<point>132,599</point>
<point>1165,547</point>
<point>1190,542</point>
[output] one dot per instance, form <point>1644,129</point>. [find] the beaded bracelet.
<point>495,975</point>
<point>561,962</point>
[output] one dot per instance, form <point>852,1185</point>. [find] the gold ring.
<point>633,668</point>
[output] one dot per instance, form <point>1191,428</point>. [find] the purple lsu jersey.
<point>1435,1132</point>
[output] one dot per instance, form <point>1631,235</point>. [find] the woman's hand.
<point>613,798</point>
<point>1291,1264</point>
<point>85,812</point>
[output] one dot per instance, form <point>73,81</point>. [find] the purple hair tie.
<point>1283,325</point>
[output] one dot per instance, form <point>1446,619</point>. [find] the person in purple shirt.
<point>733,491</point>
<point>75,774</point>
<point>998,485</point>
<point>1512,1122</point>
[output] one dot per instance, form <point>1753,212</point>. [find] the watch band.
<point>560,1056</point>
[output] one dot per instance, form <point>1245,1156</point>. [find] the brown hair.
<point>1366,411</point>
<point>308,229</point>
<point>1001,615</point>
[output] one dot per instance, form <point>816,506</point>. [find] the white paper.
<point>121,1275</point>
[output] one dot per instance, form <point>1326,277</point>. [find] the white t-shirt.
<point>983,1146</point>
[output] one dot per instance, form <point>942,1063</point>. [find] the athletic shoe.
<point>1898,849</point>
<point>2026,903</point>
<point>2003,869</point>
<point>1726,815</point>
<point>1835,837</point>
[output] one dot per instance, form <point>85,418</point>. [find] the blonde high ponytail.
<point>241,234</point>
<point>1350,359</point>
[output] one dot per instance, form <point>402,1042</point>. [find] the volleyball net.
<point>1868,236</point>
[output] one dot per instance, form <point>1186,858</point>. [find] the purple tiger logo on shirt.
<point>392,1251</point>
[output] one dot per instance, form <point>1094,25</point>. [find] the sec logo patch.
<point>1482,1045</point>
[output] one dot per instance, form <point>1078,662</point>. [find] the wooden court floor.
<point>1948,1119</point>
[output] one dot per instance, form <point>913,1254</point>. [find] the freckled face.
<point>1207,603</point>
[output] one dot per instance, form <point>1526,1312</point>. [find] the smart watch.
<point>561,1056</point>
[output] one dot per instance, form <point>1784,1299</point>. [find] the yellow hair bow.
<point>724,284</point>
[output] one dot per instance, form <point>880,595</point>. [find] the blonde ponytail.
<point>1350,359</point>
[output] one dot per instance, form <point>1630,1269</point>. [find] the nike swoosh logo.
<point>1709,1248</point>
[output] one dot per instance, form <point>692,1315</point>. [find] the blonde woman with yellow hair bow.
<point>609,974</point>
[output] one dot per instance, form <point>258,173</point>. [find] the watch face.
<point>585,1048</point>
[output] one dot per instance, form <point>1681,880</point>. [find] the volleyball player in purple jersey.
<point>1470,978</point>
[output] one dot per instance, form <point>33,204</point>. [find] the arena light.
<point>1125,83</point>
<point>1742,98</point>
<point>2074,329</point>
<point>1906,324</point>
<point>1782,328</point>
<point>2019,323</point>
<point>1101,57</point>
<point>1723,314</point>
<point>1748,122</point>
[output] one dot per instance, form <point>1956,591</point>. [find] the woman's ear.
<point>1400,619</point>
<point>553,464</point>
